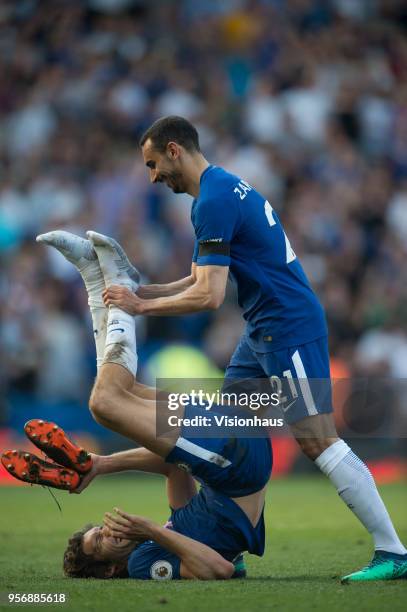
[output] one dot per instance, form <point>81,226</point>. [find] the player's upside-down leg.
<point>232,495</point>
<point>114,405</point>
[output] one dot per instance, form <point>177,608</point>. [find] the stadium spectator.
<point>306,99</point>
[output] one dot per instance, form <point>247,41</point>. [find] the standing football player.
<point>238,233</point>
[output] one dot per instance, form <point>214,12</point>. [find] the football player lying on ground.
<point>203,538</point>
<point>226,517</point>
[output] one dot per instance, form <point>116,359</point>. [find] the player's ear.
<point>173,150</point>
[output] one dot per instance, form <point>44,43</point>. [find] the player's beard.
<point>174,181</point>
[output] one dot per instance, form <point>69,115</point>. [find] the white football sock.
<point>82,255</point>
<point>121,347</point>
<point>356,487</point>
<point>116,268</point>
<point>99,314</point>
<point>99,323</point>
<point>79,252</point>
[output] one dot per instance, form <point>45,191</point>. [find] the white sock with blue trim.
<point>357,488</point>
<point>121,345</point>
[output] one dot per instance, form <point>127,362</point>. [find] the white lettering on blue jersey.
<point>242,189</point>
<point>289,252</point>
<point>276,298</point>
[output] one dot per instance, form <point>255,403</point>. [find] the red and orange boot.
<point>54,442</point>
<point>30,468</point>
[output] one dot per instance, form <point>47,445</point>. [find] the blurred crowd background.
<point>305,99</point>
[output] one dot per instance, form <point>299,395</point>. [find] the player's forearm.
<point>206,293</point>
<point>148,292</point>
<point>202,561</point>
<point>196,298</point>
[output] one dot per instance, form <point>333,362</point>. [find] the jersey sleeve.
<point>215,224</point>
<point>149,561</point>
<point>196,249</point>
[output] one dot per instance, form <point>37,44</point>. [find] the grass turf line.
<point>312,540</point>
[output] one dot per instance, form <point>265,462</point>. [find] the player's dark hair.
<point>172,128</point>
<point>79,565</point>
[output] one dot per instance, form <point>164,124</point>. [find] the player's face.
<point>105,548</point>
<point>164,167</point>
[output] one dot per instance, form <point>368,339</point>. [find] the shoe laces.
<point>45,458</point>
<point>377,560</point>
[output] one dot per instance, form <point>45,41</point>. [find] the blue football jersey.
<point>236,226</point>
<point>217,521</point>
<point>211,518</point>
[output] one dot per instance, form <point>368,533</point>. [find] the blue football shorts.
<point>231,465</point>
<point>300,374</point>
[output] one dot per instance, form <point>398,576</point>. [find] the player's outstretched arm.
<point>197,560</point>
<point>206,293</point>
<point>148,292</point>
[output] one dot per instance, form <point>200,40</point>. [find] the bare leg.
<point>114,406</point>
<point>180,485</point>
<point>113,402</point>
<point>315,434</point>
<point>144,391</point>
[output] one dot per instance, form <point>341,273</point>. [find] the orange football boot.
<point>54,442</point>
<point>32,469</point>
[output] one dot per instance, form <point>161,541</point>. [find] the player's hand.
<point>123,298</point>
<point>128,526</point>
<point>87,478</point>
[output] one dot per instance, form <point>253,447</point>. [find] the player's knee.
<point>102,403</point>
<point>98,404</point>
<point>313,447</point>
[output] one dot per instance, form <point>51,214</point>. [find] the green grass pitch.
<point>312,540</point>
